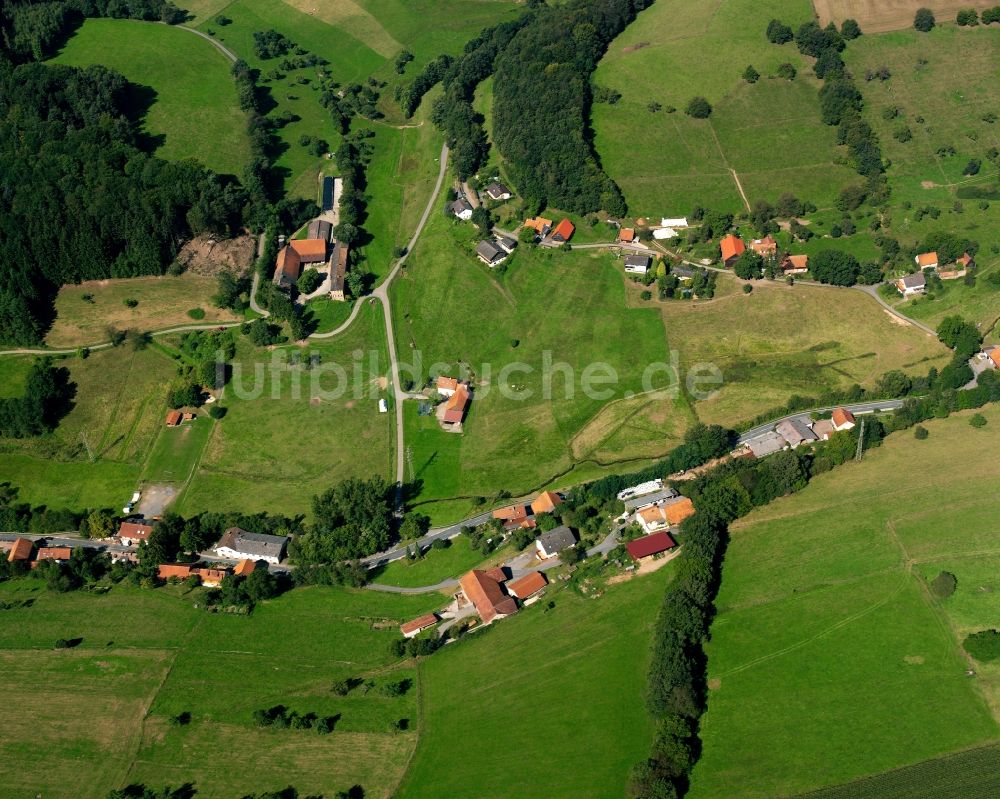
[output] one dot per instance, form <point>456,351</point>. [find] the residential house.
<point>678,510</point>
<point>563,231</point>
<point>58,554</point>
<point>174,418</point>
<point>554,541</point>
<point>795,264</point>
<point>652,498</point>
<point>320,229</point>
<point>498,192</point>
<point>131,533</point>
<point>513,515</point>
<point>489,253</point>
<point>238,544</point>
<point>652,519</point>
<point>638,264</point>
<point>527,586</point>
<point>731,247</point>
<point>994,357</point>
<point>245,567</point>
<point>179,571</point>
<point>626,235</point>
<point>287,268</point>
<point>842,419</point>
<point>910,285</point>
<point>823,428</point>
<point>498,573</point>
<point>927,260</point>
<point>795,432</point>
<point>455,406</point>
<point>766,247</point>
<point>21,549</point>
<point>462,208</point>
<point>546,502</point>
<point>487,596</point>
<point>539,224</point>
<point>310,251</point>
<point>413,628</point>
<point>446,386</point>
<point>648,547</point>
<point>766,444</point>
<point>959,269</point>
<point>675,222</point>
<point>338,271</point>
<point>211,578</point>
<point>506,243</point>
<point>683,273</point>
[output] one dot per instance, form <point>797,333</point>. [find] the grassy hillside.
<point>193,112</point>
<point>769,133</point>
<point>294,436</point>
<point>102,720</point>
<point>781,340</point>
<point>848,652</point>
<point>545,704</point>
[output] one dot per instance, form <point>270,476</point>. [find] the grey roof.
<point>656,498</point>
<point>461,204</point>
<point>558,539</point>
<point>489,251</point>
<point>682,271</point>
<point>795,431</point>
<point>914,281</point>
<point>497,189</point>
<point>638,260</point>
<point>767,444</point>
<point>260,544</point>
<point>506,242</point>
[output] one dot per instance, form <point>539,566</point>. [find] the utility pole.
<point>861,440</point>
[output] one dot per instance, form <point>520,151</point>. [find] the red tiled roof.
<point>454,407</point>
<point>21,550</point>
<point>995,357</point>
<point>538,223</point>
<point>167,570</point>
<point>546,502</point>
<point>289,265</point>
<point>531,583</point>
<point>245,567</point>
<point>510,512</point>
<point>447,383</point>
<point>842,416</point>
<point>564,230</point>
<point>54,553</point>
<point>731,246</point>
<point>497,573</point>
<point>626,234</point>
<point>486,595</point>
<point>174,418</point>
<point>420,623</point>
<point>797,262</point>
<point>139,532</point>
<point>210,575</point>
<point>927,259</point>
<point>310,250</point>
<point>679,511</point>
<point>650,545</point>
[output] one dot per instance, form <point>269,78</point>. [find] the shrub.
<point>967,17</point>
<point>924,20</point>
<point>182,719</point>
<point>778,32</point>
<point>973,167</point>
<point>217,411</point>
<point>751,75</point>
<point>977,420</point>
<point>943,586</point>
<point>786,71</point>
<point>850,29</point>
<point>197,313</point>
<point>920,432</point>
<point>131,302</point>
<point>699,108</point>
<point>984,646</point>
<point>747,288</point>
<point>647,295</point>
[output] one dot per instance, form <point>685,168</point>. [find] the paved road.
<point>399,552</point>
<point>872,291</point>
<point>855,408</point>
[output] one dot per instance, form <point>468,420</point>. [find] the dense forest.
<point>542,99</point>
<point>81,198</point>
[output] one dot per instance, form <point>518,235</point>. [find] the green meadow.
<point>843,649</point>
<point>103,718</point>
<point>769,133</point>
<point>194,109</point>
<point>548,703</point>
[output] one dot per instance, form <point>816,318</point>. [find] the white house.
<point>910,285</point>
<point>637,264</point>
<point>554,541</point>
<point>842,419</point>
<point>927,260</point>
<point>237,544</point>
<point>462,209</point>
<point>498,191</point>
<point>652,519</point>
<point>447,386</point>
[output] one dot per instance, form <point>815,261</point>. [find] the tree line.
<point>47,398</point>
<point>83,200</point>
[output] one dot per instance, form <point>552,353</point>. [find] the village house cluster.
<point>319,250</point>
<point>796,431</point>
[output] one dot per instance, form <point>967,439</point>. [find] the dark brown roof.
<point>650,545</point>
<point>135,530</point>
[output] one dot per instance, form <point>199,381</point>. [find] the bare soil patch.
<point>633,47</point>
<point>207,255</point>
<point>879,16</point>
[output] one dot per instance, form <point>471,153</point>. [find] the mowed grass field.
<point>118,412</point>
<point>843,665</point>
<point>96,717</point>
<point>163,302</point>
<point>769,133</point>
<point>545,704</point>
<point>549,307</point>
<point>194,110</point>
<point>292,432</point>
<point>781,340</point>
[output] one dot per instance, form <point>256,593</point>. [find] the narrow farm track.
<point>215,42</point>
